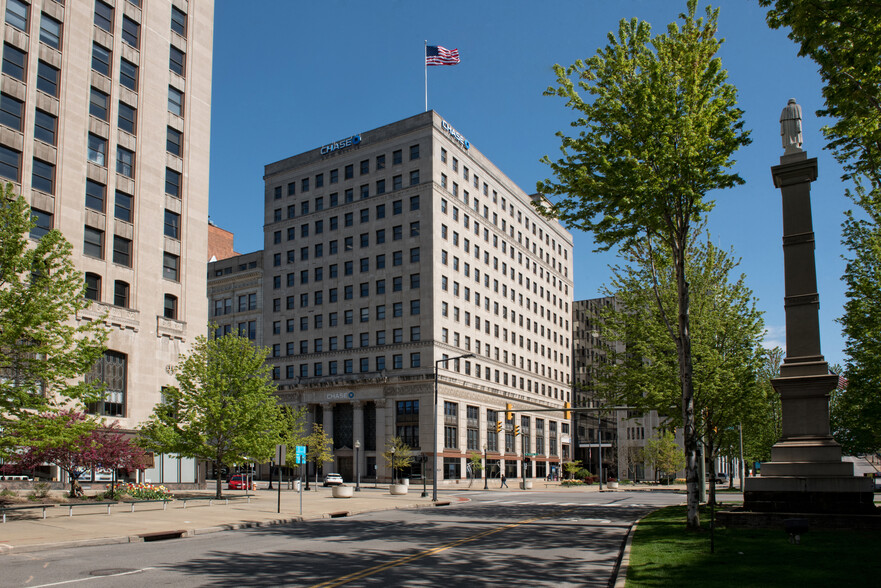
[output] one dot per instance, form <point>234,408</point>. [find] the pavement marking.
<point>409,558</point>
<point>94,578</point>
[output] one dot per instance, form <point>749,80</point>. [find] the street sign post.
<point>300,458</point>
<point>281,455</point>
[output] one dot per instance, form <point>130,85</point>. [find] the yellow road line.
<point>409,558</point>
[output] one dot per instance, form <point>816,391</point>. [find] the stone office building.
<point>104,129</point>
<point>391,250</point>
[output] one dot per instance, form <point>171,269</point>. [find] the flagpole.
<point>425,65</point>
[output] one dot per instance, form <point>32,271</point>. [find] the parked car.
<point>721,478</point>
<point>239,481</point>
<point>333,480</point>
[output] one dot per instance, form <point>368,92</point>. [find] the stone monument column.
<point>806,473</point>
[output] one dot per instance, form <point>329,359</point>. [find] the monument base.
<point>821,494</point>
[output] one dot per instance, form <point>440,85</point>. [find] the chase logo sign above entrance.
<point>341,144</point>
<point>455,134</point>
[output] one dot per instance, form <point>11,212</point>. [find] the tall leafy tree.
<point>844,38</point>
<point>663,454</point>
<point>319,447</point>
<point>44,349</point>
<point>224,408</point>
<point>655,134</point>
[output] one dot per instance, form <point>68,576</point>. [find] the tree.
<point>844,39</point>
<point>44,349</point>
<point>397,455</point>
<point>112,450</point>
<point>224,408</point>
<point>475,465</point>
<point>656,135</point>
<point>572,467</point>
<point>292,427</point>
<point>663,454</point>
<point>319,447</point>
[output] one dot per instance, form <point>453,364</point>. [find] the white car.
<point>333,480</point>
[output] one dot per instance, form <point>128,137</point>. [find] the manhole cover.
<point>111,571</point>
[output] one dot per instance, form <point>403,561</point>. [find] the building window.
<point>175,101</point>
<point>97,149</point>
<point>17,14</point>
<point>11,112</point>
<point>120,293</point>
<point>10,163</point>
<point>122,251</point>
<point>414,152</point>
<point>101,58</point>
<point>111,370</point>
<point>14,62</point>
<point>43,177</point>
<point>397,157</point>
<point>95,194</point>
<point>128,75</point>
<point>99,104</point>
<point>127,118</point>
<point>131,32</point>
<point>414,177</point>
<point>93,287</point>
<point>104,16</point>
<point>170,266</point>
<point>93,242</point>
<point>43,223</point>
<point>172,182</point>
<point>47,78</point>
<point>50,31</point>
<point>179,21</point>
<point>123,207</point>
<point>125,162</point>
<point>174,142</point>
<point>176,60</point>
<point>172,224</point>
<point>170,307</point>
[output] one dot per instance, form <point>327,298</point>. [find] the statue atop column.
<point>790,127</point>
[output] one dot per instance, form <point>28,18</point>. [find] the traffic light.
<point>508,414</point>
<point>567,414</point>
<point>498,426</point>
<point>516,430</point>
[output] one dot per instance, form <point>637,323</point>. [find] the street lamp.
<point>485,469</point>
<point>394,473</point>
<point>357,467</point>
<point>434,430</point>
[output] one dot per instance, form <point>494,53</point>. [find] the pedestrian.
<point>504,483</point>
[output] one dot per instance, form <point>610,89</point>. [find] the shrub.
<point>138,492</point>
<point>7,493</point>
<point>40,491</point>
<point>571,483</point>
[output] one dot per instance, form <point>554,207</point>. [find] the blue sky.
<point>294,75</point>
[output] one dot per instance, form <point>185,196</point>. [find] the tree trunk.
<point>219,482</point>
<point>683,347</point>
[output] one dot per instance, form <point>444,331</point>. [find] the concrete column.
<point>358,435</point>
<point>327,410</point>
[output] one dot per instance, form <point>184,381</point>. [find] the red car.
<point>239,481</point>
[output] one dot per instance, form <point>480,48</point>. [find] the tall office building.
<point>104,128</point>
<point>388,252</point>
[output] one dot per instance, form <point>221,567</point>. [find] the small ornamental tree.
<point>475,464</point>
<point>319,447</point>
<point>571,468</point>
<point>663,454</point>
<point>112,450</point>
<point>67,442</point>
<point>397,455</point>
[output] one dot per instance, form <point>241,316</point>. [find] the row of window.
<point>348,342</point>
<point>397,207</point>
<point>121,293</point>
<point>225,306</point>
<point>346,366</point>
<point>349,173</point>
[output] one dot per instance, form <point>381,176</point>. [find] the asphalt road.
<point>498,538</point>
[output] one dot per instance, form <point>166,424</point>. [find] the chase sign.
<point>341,144</point>
<point>455,134</point>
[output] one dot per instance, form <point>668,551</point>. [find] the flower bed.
<point>138,492</point>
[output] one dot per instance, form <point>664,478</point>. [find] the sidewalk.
<point>90,525</point>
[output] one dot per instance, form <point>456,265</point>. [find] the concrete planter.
<point>612,485</point>
<point>398,489</point>
<point>343,491</point>
<point>405,481</point>
<point>526,485</point>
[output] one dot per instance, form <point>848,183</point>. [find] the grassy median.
<point>665,554</point>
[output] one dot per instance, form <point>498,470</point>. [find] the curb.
<point>619,579</point>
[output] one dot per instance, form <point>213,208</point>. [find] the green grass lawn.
<point>665,554</point>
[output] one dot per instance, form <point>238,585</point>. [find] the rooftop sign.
<point>341,144</point>
<point>455,134</point>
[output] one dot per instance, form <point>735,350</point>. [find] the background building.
<point>391,250</point>
<point>104,128</point>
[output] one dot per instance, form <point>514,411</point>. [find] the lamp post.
<point>357,467</point>
<point>434,429</point>
<point>423,459</point>
<point>485,469</point>
<point>394,472</point>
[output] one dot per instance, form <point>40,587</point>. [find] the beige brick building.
<point>387,252</point>
<point>104,128</point>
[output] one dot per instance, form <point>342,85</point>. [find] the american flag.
<point>437,55</point>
